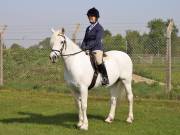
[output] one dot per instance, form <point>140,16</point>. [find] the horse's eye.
<point>62,42</point>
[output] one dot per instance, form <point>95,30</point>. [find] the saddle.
<point>95,67</point>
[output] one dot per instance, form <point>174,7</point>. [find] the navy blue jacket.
<point>93,38</point>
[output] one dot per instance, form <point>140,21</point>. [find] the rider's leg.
<point>98,54</point>
<point>101,67</point>
<point>102,70</point>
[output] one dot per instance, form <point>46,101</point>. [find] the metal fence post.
<point>1,62</point>
<point>168,57</point>
<point>75,33</point>
<point>1,55</point>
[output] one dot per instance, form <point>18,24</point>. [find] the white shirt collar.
<point>92,26</point>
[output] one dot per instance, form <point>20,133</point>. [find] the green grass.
<point>158,73</point>
<point>44,113</point>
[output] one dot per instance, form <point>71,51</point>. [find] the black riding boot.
<point>102,70</point>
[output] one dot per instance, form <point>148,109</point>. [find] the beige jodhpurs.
<point>98,56</point>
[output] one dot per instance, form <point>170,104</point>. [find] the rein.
<point>67,54</point>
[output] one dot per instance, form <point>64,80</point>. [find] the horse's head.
<point>58,44</point>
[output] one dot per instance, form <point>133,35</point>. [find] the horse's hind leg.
<point>128,87</point>
<point>114,95</point>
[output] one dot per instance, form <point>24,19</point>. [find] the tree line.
<point>153,42</point>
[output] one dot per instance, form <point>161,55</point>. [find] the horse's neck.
<point>73,62</point>
<point>71,47</point>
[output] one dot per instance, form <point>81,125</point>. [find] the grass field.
<point>158,72</point>
<point>45,113</point>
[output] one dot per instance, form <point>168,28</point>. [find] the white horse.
<point>79,73</point>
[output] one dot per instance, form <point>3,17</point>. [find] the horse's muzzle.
<point>53,58</point>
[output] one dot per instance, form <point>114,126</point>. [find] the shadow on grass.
<point>66,120</point>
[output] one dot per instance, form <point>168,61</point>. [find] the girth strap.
<point>93,82</point>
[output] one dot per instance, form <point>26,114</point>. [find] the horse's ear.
<point>52,30</point>
<point>63,30</point>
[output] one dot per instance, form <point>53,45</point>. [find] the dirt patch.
<point>137,79</point>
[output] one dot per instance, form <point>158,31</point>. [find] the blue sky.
<point>32,19</point>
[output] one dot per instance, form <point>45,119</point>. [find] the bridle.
<point>64,46</point>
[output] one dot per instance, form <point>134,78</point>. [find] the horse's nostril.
<point>53,58</point>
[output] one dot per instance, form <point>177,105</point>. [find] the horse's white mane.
<point>55,36</point>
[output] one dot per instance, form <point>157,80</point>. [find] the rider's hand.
<point>87,52</point>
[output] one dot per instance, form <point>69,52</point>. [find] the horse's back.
<point>122,60</point>
<point>120,56</point>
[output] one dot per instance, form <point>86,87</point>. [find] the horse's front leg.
<point>77,97</point>
<point>84,97</point>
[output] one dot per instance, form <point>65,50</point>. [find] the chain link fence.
<point>30,68</point>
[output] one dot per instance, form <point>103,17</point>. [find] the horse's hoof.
<point>79,124</point>
<point>129,120</point>
<point>84,127</point>
<point>109,120</point>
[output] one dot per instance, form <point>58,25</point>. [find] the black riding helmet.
<point>93,12</point>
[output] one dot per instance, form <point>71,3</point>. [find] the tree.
<point>116,42</point>
<point>16,46</point>
<point>107,33</point>
<point>134,44</point>
<point>156,44</point>
<point>157,41</point>
<point>45,44</point>
<point>119,42</point>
